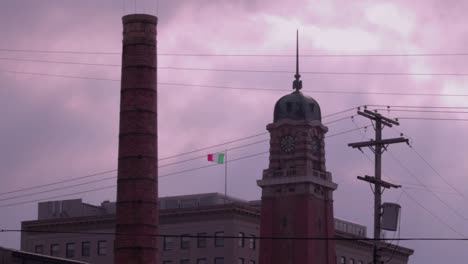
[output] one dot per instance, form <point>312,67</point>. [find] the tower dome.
<point>297,106</point>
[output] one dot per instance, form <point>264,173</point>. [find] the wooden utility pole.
<point>378,146</point>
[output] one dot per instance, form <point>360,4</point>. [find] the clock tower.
<point>297,202</point>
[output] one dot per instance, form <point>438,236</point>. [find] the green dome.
<point>297,106</point>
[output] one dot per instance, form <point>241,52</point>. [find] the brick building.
<point>187,215</point>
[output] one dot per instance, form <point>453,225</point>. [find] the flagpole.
<point>225,176</point>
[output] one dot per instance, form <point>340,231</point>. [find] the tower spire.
<point>297,84</point>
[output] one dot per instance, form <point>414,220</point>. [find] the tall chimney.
<point>137,183</point>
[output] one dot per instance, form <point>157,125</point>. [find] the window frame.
<point>202,240</point>
<point>52,247</point>
<point>252,242</point>
<point>241,239</point>
<point>83,243</point>
<point>70,250</point>
<point>168,243</point>
<point>219,259</point>
<point>100,248</point>
<point>219,239</point>
<point>185,241</point>
<point>41,247</point>
<point>202,261</point>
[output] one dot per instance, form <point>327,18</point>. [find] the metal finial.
<point>297,84</point>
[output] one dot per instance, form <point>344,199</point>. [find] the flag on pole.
<point>216,157</point>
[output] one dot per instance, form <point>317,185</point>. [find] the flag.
<point>216,157</point>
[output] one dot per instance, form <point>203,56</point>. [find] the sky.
<point>60,120</point>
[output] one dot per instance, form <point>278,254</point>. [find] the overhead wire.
<point>237,237</point>
<point>161,176</point>
<point>251,70</point>
<point>423,207</point>
<point>222,87</point>
<point>174,156</point>
<point>450,54</point>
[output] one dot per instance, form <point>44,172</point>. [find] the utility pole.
<point>378,146</point>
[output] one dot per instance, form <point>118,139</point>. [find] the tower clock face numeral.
<point>316,145</point>
<point>287,143</point>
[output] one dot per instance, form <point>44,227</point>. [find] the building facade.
<point>12,256</point>
<point>195,229</point>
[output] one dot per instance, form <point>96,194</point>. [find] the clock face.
<point>287,143</point>
<point>316,145</point>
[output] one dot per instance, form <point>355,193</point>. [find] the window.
<point>360,262</point>
<point>102,248</point>
<point>252,262</point>
<point>184,261</point>
<point>240,261</point>
<point>185,241</point>
<point>39,249</point>
<point>219,239</point>
<point>351,261</point>
<point>219,261</point>
<point>252,242</point>
<point>201,240</point>
<point>70,250</point>
<point>86,249</point>
<point>240,241</point>
<point>54,249</point>
<point>167,262</point>
<point>202,261</point>
<point>342,260</point>
<point>168,243</point>
<point>188,203</point>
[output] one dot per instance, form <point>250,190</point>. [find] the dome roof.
<point>297,106</point>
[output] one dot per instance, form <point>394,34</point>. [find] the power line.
<point>161,176</point>
<point>418,203</point>
<point>317,72</point>
<point>242,88</point>
<point>61,52</point>
<point>454,54</point>
<point>213,146</point>
<point>58,182</point>
<point>61,188</point>
<point>433,119</point>
<point>237,237</point>
<point>434,215</point>
<point>62,62</point>
<point>252,70</point>
<point>436,172</point>
<point>456,212</point>
<point>422,111</point>
<point>415,106</point>
<point>59,196</point>
<point>169,157</point>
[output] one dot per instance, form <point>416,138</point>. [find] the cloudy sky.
<point>60,120</point>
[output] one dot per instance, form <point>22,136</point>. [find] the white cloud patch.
<point>390,17</point>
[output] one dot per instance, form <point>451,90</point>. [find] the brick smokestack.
<point>137,184</point>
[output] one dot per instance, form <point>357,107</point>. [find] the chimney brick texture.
<point>137,183</point>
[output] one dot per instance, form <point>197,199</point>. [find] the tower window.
<point>289,107</point>
<point>312,107</point>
